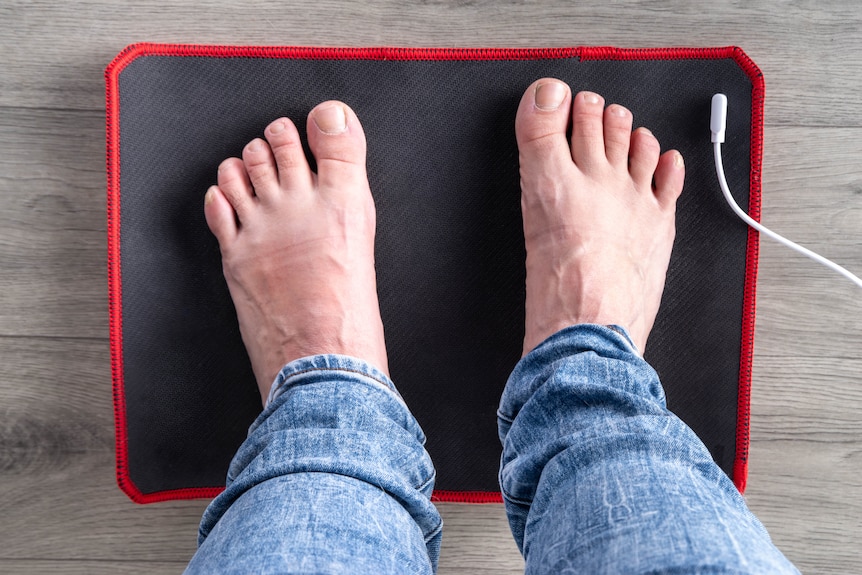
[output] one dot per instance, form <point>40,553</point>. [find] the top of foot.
<point>298,247</point>
<point>599,213</point>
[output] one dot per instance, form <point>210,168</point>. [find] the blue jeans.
<point>597,475</point>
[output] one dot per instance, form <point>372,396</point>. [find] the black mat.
<point>443,167</point>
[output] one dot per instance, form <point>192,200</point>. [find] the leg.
<point>597,475</point>
<point>333,476</point>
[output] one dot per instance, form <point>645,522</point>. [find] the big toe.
<point>337,141</point>
<point>540,125</point>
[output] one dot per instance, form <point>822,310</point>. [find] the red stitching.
<point>746,356</point>
<point>112,159</point>
<point>611,53</point>
<point>467,496</point>
<point>133,51</point>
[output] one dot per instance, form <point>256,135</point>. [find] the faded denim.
<point>333,478</point>
<point>597,475</point>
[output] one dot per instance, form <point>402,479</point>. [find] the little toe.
<point>588,142</point>
<point>260,165</point>
<point>234,183</point>
<point>669,177</point>
<point>293,169</point>
<point>540,125</point>
<point>643,158</point>
<point>337,141</point>
<point>618,134</point>
<point>220,216</point>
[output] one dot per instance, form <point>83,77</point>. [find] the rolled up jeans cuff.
<point>304,365</point>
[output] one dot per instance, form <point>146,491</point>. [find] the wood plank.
<point>52,223</point>
<point>85,567</point>
<point>479,566</point>
<point>56,398</point>
<point>804,477</point>
<point>808,495</point>
<point>477,540</point>
<point>807,398</point>
<point>75,511</point>
<point>810,51</point>
<point>57,484</point>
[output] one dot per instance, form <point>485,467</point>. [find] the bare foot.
<point>598,213</point>
<point>298,247</point>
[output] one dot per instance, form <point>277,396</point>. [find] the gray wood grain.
<point>62,512</point>
<point>52,215</point>
<point>56,51</point>
<point>90,567</point>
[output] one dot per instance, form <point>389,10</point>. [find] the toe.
<point>260,165</point>
<point>541,122</point>
<point>588,142</point>
<point>643,158</point>
<point>618,134</point>
<point>337,141</point>
<point>293,170</point>
<point>234,183</point>
<point>220,216</point>
<point>669,177</point>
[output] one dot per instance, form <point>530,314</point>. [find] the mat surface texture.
<point>443,168</point>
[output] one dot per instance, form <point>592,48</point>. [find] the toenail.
<point>678,161</point>
<point>550,95</point>
<point>210,196</point>
<point>253,146</point>
<point>277,127</point>
<point>592,98</point>
<point>646,131</point>
<point>618,111</point>
<point>330,119</point>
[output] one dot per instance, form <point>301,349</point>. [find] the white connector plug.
<point>718,118</point>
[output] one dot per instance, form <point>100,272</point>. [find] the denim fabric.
<point>333,478</point>
<point>599,477</point>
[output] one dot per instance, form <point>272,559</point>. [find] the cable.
<point>717,123</point>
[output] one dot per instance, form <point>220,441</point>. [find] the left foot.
<point>598,213</point>
<point>298,247</point>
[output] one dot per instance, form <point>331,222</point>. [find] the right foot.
<point>599,213</point>
<point>298,247</point>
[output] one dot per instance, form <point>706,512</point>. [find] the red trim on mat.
<point>746,356</point>
<point>467,496</point>
<point>115,321</point>
<point>134,51</point>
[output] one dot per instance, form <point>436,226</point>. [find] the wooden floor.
<point>60,510</point>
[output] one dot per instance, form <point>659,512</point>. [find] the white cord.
<point>717,126</point>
